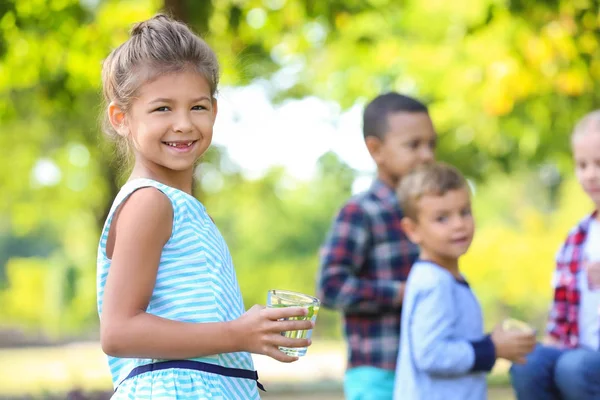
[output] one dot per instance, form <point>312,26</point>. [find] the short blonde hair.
<point>432,179</point>
<point>590,123</point>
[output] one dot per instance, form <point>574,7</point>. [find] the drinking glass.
<point>285,298</point>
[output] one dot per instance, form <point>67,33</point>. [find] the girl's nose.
<point>182,123</point>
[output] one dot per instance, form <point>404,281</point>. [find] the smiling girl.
<point>171,313</point>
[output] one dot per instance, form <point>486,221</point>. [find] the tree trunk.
<point>176,9</point>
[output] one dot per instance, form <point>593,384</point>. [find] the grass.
<point>57,369</point>
<point>45,372</point>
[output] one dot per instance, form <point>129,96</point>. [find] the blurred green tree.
<point>505,81</point>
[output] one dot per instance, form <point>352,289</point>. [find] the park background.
<point>505,81</point>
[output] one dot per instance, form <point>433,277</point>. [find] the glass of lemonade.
<point>286,298</point>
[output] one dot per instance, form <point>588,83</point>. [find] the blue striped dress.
<point>196,282</point>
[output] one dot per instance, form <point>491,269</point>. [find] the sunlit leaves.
<point>505,82</point>
<point>54,174</point>
<point>483,65</point>
<point>511,261</point>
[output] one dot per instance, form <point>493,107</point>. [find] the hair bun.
<point>140,27</point>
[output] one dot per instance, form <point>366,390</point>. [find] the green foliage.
<point>274,227</point>
<point>511,261</point>
<point>505,85</point>
<point>56,179</point>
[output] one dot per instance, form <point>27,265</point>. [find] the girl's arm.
<point>141,229</point>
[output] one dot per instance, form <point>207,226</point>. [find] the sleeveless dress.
<point>196,283</point>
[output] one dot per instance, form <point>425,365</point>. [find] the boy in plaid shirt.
<point>366,257</point>
<point>567,367</point>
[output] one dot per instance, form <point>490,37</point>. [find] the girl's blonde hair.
<point>157,46</point>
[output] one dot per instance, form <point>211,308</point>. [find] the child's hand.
<point>260,328</point>
<point>593,273</point>
<point>550,341</point>
<point>513,345</point>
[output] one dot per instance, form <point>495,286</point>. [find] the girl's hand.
<point>259,330</point>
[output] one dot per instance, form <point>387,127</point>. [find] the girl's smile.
<point>181,146</point>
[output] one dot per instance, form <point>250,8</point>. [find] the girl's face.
<point>586,153</point>
<point>170,122</point>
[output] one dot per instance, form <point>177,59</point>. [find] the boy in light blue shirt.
<point>444,352</point>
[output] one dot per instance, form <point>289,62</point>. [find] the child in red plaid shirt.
<point>567,367</point>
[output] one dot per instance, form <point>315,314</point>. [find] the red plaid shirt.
<point>563,323</point>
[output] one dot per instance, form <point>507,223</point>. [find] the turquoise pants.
<point>368,383</point>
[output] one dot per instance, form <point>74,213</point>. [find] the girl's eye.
<point>163,108</point>
<point>465,212</point>
<point>441,219</point>
<point>198,108</point>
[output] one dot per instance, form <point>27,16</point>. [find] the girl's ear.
<point>116,116</point>
<point>215,108</point>
<point>411,229</point>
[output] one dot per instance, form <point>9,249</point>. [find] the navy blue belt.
<point>198,366</point>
